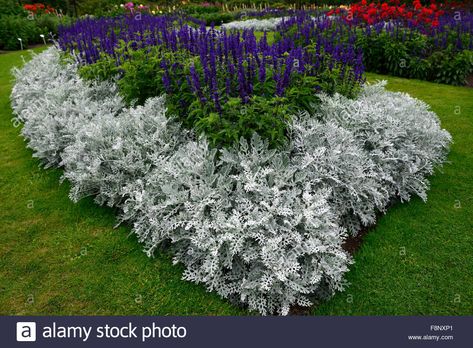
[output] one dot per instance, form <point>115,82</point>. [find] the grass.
<point>57,257</point>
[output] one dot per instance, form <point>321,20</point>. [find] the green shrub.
<point>29,30</point>
<point>451,68</point>
<point>97,7</point>
<point>10,7</point>
<point>373,51</point>
<point>49,23</point>
<point>13,27</point>
<point>419,68</point>
<point>216,18</point>
<point>196,10</point>
<point>416,56</point>
<point>266,116</point>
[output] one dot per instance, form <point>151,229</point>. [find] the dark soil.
<point>469,81</point>
<point>353,243</point>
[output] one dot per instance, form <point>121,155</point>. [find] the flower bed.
<point>259,226</point>
<point>431,42</point>
<point>215,81</point>
<point>31,24</point>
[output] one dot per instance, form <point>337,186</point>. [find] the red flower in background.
<point>39,8</point>
<point>374,12</point>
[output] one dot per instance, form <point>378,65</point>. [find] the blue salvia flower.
<point>227,59</point>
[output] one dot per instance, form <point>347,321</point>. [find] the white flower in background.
<point>255,24</point>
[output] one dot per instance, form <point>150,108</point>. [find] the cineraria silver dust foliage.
<point>256,24</point>
<point>259,226</point>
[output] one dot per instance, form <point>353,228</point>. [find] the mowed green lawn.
<point>57,257</point>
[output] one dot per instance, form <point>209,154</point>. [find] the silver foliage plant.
<point>400,134</point>
<point>55,103</point>
<point>259,226</point>
<point>113,150</point>
<point>248,225</point>
<point>255,24</point>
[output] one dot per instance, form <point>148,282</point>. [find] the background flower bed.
<point>431,42</point>
<point>27,23</point>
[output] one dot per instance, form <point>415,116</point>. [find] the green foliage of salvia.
<point>140,77</point>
